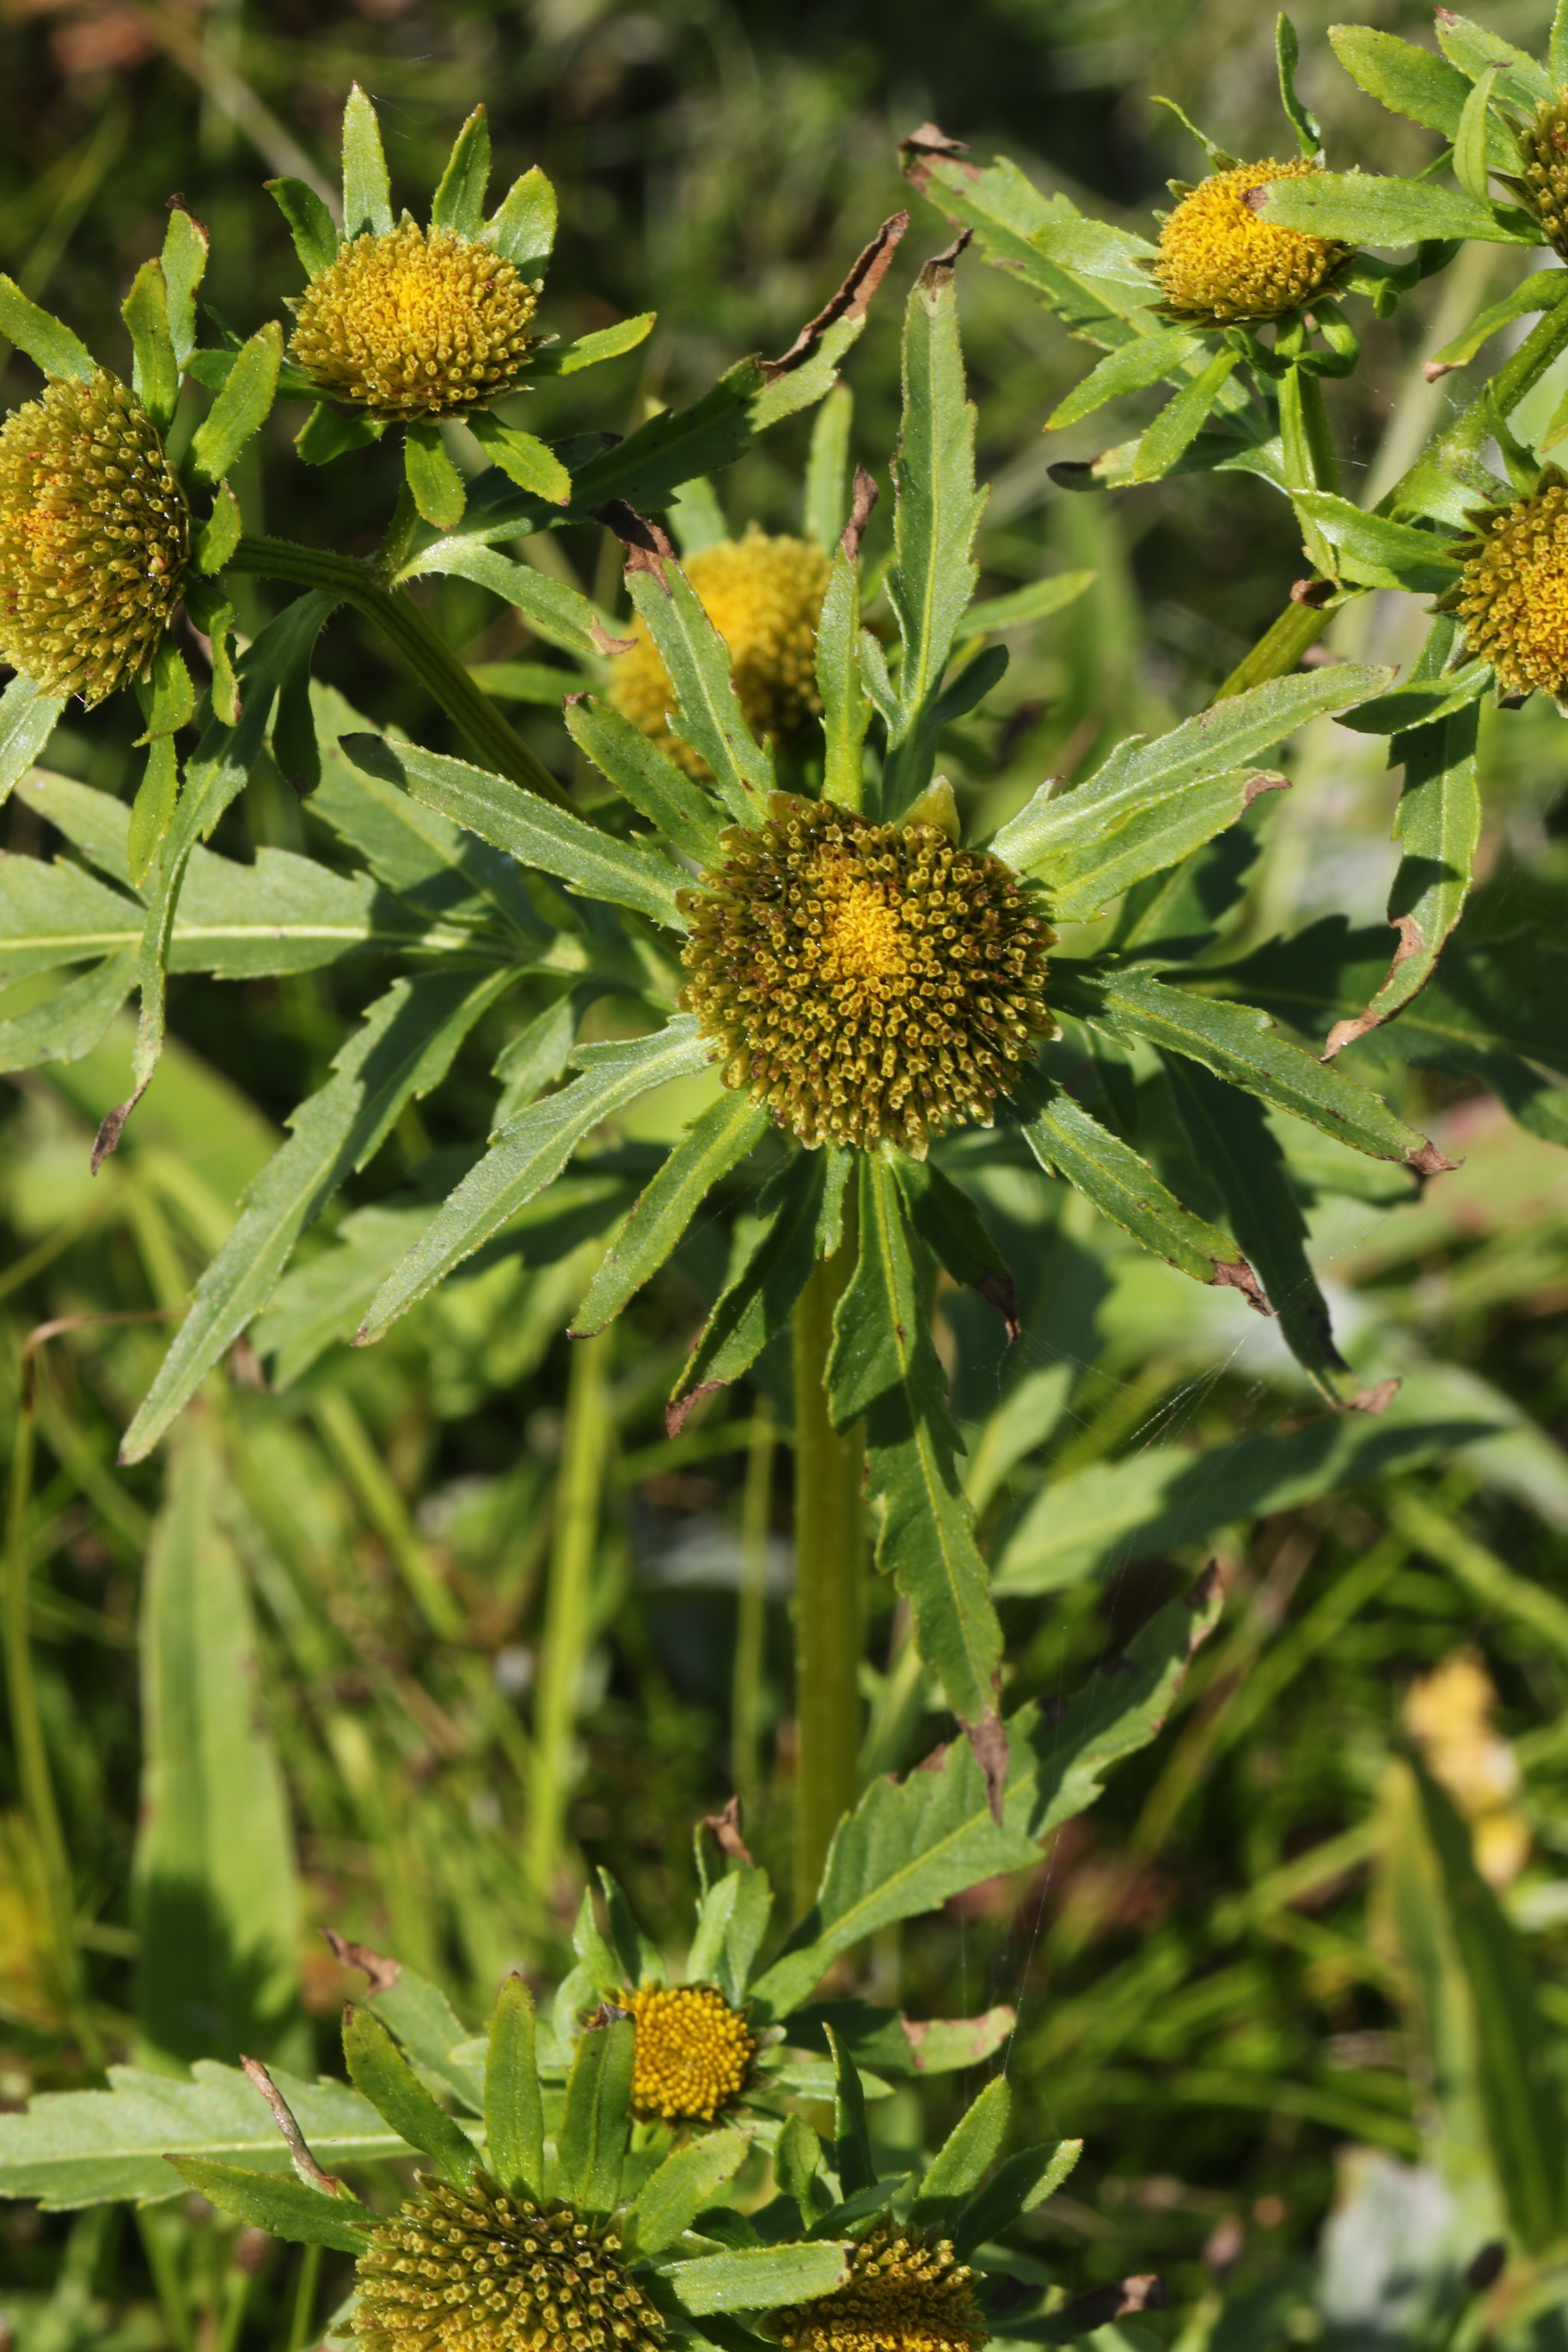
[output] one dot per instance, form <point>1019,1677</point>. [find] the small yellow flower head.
<point>905,2294</point>
<point>94,539</point>
<point>693,2052</point>
<point>1544,168</point>
<point>414,324</point>
<point>1220,264</point>
<point>1448,1715</point>
<point>476,2270</point>
<point>870,982</point>
<point>764,596</point>
<point>1513,599</point>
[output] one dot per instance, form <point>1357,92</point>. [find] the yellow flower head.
<point>1220,264</point>
<point>905,2294</point>
<point>870,982</point>
<point>1449,1713</point>
<point>1544,168</point>
<point>764,596</point>
<point>1513,599</point>
<point>693,2052</point>
<point>414,324</point>
<point>94,538</point>
<point>477,2269</point>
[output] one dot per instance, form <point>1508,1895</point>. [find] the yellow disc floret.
<point>869,983</point>
<point>94,538</point>
<point>1544,168</point>
<point>905,2294</point>
<point>414,324</point>
<point>477,2270</point>
<point>1512,600</point>
<point>693,2052</point>
<point>764,596</point>
<point>1221,265</point>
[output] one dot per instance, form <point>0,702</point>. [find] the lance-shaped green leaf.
<point>591,2144</point>
<point>90,2147</point>
<point>1420,701</point>
<point>215,1900</point>
<point>932,574</point>
<point>965,2156</point>
<point>708,712</point>
<point>712,1145</point>
<point>796,1204</point>
<point>459,200</point>
<point>884,1368</point>
<point>525,827</point>
<point>284,2208</point>
<point>530,1154</point>
<point>1412,82</point>
<point>310,224</point>
<point>72,1019</point>
<point>732,1921</point>
<point>404,1047</point>
<point>641,773</point>
<point>1085,268</point>
<point>1070,1142</point>
<point>1239,1043</point>
<point>437,489</point>
<point>825,503</point>
<point>670,2199</point>
<point>1089,872</point>
<point>760,2278</point>
<point>378,2069</point>
<point>418,2013</point>
<point>522,226</point>
<point>1024,2182</point>
<point>240,409</point>
<point>1517,2075</point>
<point>1542,290</point>
<point>1475,49</point>
<point>1287,54</point>
<point>909,1845</point>
<point>1232,1141</point>
<point>846,707</point>
<point>367,190</point>
<point>1360,209</point>
<point>552,609</point>
<point>1377,553</point>
<point>1137,364</point>
<point>952,1228</point>
<point>1035,602</point>
<point>523,457</point>
<point>514,2111</point>
<point>808,371</point>
<point>588,350</point>
<point>1165,442</point>
<point>155,373</point>
<point>1165,1496</point>
<point>1470,161</point>
<point>27,718</point>
<point>1438,827</point>
<point>53,913</point>
<point>48,343</point>
<point>1138,774</point>
<point>852,2156</point>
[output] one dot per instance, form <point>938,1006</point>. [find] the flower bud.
<point>1220,263</point>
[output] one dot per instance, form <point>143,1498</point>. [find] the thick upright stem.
<point>568,1612</point>
<point>409,634</point>
<point>829,1583</point>
<point>752,1615</point>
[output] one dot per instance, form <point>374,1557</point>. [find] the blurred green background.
<point>330,1593</point>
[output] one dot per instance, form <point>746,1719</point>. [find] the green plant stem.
<point>752,1613</point>
<point>568,1613</point>
<point>155,2221</point>
<point>305,2289</point>
<point>830,1582</point>
<point>1286,638</point>
<point>27,1732</point>
<point>394,612</point>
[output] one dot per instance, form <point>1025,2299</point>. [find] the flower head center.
<point>693,2052</point>
<point>1220,261</point>
<point>414,324</point>
<point>864,935</point>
